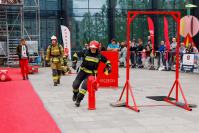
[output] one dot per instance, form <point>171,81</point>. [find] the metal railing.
<point>160,60</point>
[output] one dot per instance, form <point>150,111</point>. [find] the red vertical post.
<point>128,56</point>
<point>177,56</point>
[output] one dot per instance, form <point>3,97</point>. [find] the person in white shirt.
<point>22,52</point>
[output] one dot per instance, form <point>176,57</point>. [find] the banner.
<point>188,62</point>
<point>166,33</point>
<point>66,41</point>
<point>151,31</point>
<point>110,80</point>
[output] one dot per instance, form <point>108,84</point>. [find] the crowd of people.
<point>143,56</point>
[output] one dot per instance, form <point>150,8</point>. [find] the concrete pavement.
<point>161,118</point>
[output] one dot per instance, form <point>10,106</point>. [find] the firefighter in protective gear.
<point>88,67</point>
<point>65,67</point>
<point>74,61</point>
<point>55,55</point>
<point>76,56</point>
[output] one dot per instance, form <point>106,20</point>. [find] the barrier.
<point>161,62</point>
<point>110,80</point>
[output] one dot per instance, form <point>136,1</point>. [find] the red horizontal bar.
<point>155,12</point>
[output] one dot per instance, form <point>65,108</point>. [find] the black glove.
<point>107,70</point>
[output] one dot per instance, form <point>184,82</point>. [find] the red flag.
<point>188,40</point>
<point>166,33</point>
<point>151,31</point>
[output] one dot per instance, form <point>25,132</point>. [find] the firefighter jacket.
<point>55,53</point>
<point>91,62</point>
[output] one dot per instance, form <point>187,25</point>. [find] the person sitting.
<point>113,46</point>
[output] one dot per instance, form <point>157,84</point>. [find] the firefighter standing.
<point>55,54</point>
<point>88,67</point>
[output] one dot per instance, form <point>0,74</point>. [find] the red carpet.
<point>21,110</point>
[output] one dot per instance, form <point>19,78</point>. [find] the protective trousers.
<point>81,77</point>
<point>24,67</point>
<point>56,71</point>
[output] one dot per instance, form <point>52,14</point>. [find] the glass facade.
<point>102,19</point>
<point>88,21</point>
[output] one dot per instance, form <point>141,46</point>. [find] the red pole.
<point>128,23</point>
<point>128,47</point>
<point>127,62</point>
<point>177,55</point>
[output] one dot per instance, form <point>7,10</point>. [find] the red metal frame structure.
<point>127,87</point>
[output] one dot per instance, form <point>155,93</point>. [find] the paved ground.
<point>106,119</point>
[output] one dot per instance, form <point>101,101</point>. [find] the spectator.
<point>173,44</point>
<point>102,47</point>
<point>172,53</point>
<point>161,61</point>
<point>162,47</point>
<point>86,47</point>
<point>123,54</point>
<point>194,48</point>
<point>189,48</point>
<point>139,53</point>
<point>119,44</point>
<point>195,51</point>
<point>150,55</point>
<point>113,46</point>
<point>148,51</point>
<point>182,50</point>
<point>133,53</point>
<point>149,41</point>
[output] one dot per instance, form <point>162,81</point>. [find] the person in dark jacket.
<point>22,52</point>
<point>139,53</point>
<point>133,54</point>
<point>88,67</point>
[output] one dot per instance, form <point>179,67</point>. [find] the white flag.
<point>66,41</point>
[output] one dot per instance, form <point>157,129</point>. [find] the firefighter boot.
<point>58,81</point>
<point>79,99</point>
<point>75,96</point>
<point>55,83</point>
